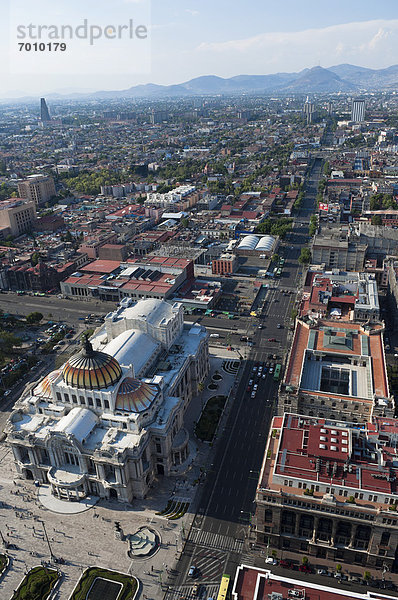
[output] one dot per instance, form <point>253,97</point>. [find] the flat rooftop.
<point>338,358</point>
<point>259,584</point>
<point>332,453</point>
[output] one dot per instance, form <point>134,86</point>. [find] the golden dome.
<point>134,395</point>
<point>91,370</point>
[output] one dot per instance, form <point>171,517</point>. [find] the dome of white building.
<point>152,310</point>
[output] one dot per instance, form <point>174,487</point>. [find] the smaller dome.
<point>91,370</point>
<point>134,395</point>
<point>44,387</point>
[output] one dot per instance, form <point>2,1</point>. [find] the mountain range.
<point>340,78</point>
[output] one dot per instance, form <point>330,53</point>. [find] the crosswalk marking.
<point>215,540</point>
<point>185,592</point>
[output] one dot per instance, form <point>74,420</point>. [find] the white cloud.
<point>193,13</point>
<point>369,43</point>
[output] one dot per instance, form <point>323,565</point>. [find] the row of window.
<point>99,403</point>
<point>322,508</point>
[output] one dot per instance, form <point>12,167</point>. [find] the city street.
<point>222,522</point>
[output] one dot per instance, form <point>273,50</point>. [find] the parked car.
<point>286,564</point>
<point>305,569</point>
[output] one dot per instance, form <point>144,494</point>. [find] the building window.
<point>66,397</point>
<point>81,399</point>
<point>106,403</point>
<point>158,448</point>
<point>90,402</point>
<point>59,397</point>
<point>98,402</point>
<point>74,399</point>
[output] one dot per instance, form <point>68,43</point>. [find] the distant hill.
<point>340,78</point>
<point>318,80</point>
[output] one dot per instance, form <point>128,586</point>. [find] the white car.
<point>253,394</point>
<point>271,561</point>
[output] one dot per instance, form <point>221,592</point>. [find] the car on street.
<point>305,569</point>
<point>279,326</point>
<point>271,561</point>
<point>264,375</point>
<point>253,394</point>
<point>192,571</point>
<point>286,564</point>
<point>271,339</point>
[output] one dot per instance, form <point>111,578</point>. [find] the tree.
<point>34,317</point>
<point>275,258</point>
<point>184,222</point>
<point>305,256</point>
<point>376,220</point>
<point>34,259</point>
<point>8,341</point>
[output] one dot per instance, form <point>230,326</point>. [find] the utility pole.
<point>47,540</point>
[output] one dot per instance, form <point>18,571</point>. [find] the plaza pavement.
<point>87,538</point>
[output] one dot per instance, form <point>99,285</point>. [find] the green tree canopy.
<point>34,317</point>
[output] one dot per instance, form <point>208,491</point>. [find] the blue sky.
<point>188,38</point>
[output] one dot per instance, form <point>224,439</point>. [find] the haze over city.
<point>190,39</point>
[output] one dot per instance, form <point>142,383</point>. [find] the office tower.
<point>38,188</point>
<point>358,111</point>
<point>308,110</point>
<point>44,114</point>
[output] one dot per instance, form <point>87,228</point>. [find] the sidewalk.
<point>88,538</point>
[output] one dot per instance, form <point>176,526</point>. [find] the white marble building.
<point>111,419</point>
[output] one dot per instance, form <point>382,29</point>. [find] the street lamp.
<point>48,541</point>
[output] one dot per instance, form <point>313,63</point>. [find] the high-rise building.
<point>44,113</point>
<point>308,110</point>
<point>358,111</point>
<point>17,216</point>
<point>39,188</point>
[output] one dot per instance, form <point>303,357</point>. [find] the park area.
<point>37,584</point>
<point>97,584</point>
<point>207,425</point>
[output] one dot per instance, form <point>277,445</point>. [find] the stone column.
<point>334,532</point>
<point>297,526</point>
<point>315,530</point>
<point>32,456</point>
<point>17,453</point>
<point>353,533</point>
